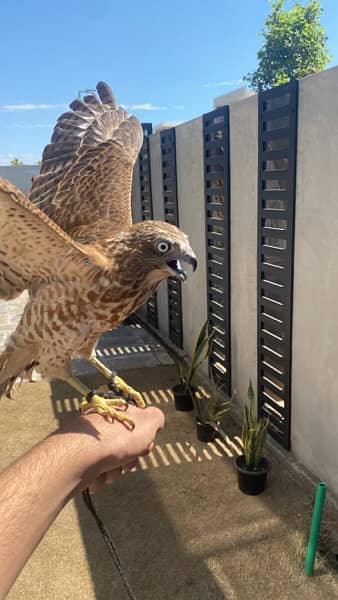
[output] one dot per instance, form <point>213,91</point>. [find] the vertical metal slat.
<point>277,134</point>
<point>169,182</point>
<point>147,206</point>
<point>217,219</point>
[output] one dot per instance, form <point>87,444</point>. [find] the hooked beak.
<point>176,266</point>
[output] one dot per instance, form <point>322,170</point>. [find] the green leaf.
<point>202,349</point>
<point>294,45</point>
<point>254,432</point>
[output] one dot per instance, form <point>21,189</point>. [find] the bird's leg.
<point>106,404</point>
<point>118,384</point>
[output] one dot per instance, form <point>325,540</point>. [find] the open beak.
<point>178,266</point>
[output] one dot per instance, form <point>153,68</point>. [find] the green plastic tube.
<point>315,528</point>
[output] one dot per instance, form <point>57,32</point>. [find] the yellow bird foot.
<point>118,385</point>
<point>108,407</point>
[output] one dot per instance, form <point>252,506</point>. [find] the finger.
<point>148,449</point>
<point>111,476</point>
<point>149,414</point>
<point>116,473</point>
<point>157,416</point>
<point>149,422</point>
<point>129,466</point>
<point>97,484</point>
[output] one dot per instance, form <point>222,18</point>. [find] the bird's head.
<point>160,250</point>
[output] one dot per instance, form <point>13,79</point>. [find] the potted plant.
<point>185,390</point>
<point>252,466</point>
<point>209,409</point>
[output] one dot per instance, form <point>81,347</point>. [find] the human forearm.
<point>32,492</point>
<point>87,452</point>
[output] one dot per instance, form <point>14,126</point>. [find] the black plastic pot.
<point>183,400</point>
<point>251,482</point>
<point>205,432</point>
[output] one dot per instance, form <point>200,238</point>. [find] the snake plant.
<point>202,349</point>
<point>254,431</point>
<point>210,408</point>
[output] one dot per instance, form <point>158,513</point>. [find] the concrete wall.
<point>21,176</point>
<point>314,425</point>
<point>158,209</point>
<point>314,422</point>
<point>10,312</point>
<point>190,192</point>
<point>243,195</point>
<point>10,315</point>
<point>231,97</point>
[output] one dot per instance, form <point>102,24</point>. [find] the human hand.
<point>103,451</point>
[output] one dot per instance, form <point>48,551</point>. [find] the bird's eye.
<point>163,247</point>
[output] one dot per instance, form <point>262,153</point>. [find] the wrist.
<point>64,465</point>
<point>81,446</point>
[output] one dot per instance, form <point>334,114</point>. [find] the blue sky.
<point>164,60</point>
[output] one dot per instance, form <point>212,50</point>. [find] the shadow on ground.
<point>182,528</point>
<point>155,560</point>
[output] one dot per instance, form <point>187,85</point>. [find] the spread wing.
<point>33,248</point>
<point>86,172</point>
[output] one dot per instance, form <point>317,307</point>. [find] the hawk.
<point>73,246</point>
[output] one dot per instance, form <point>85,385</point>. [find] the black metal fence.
<point>276,215</point>
<point>169,183</point>
<point>277,142</point>
<point>217,220</point>
<point>147,205</point>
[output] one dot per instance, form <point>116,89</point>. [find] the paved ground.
<point>10,314</point>
<point>182,528</point>
<point>128,347</point>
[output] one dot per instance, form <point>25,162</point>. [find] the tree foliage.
<point>16,162</point>
<point>294,45</point>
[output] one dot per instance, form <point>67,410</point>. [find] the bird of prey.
<point>73,246</point>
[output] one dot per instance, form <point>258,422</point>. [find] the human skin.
<point>87,452</point>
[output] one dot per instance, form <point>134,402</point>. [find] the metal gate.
<point>147,205</point>
<point>276,215</point>
<point>169,181</point>
<point>217,218</point>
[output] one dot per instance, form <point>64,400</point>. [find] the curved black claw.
<point>108,395</point>
<point>113,387</point>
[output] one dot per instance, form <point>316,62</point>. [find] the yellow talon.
<point>107,407</point>
<point>129,392</point>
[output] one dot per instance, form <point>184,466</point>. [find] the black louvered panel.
<point>169,181</point>
<point>147,205</point>
<point>217,216</point>
<point>278,110</point>
<point>145,174</point>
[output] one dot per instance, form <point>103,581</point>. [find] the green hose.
<point>315,528</point>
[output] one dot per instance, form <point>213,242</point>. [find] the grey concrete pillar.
<point>243,199</point>
<point>314,423</point>
<point>190,192</point>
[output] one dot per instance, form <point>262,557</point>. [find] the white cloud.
<point>33,125</point>
<point>145,106</point>
<point>22,107</point>
<point>226,83</point>
<point>150,106</point>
